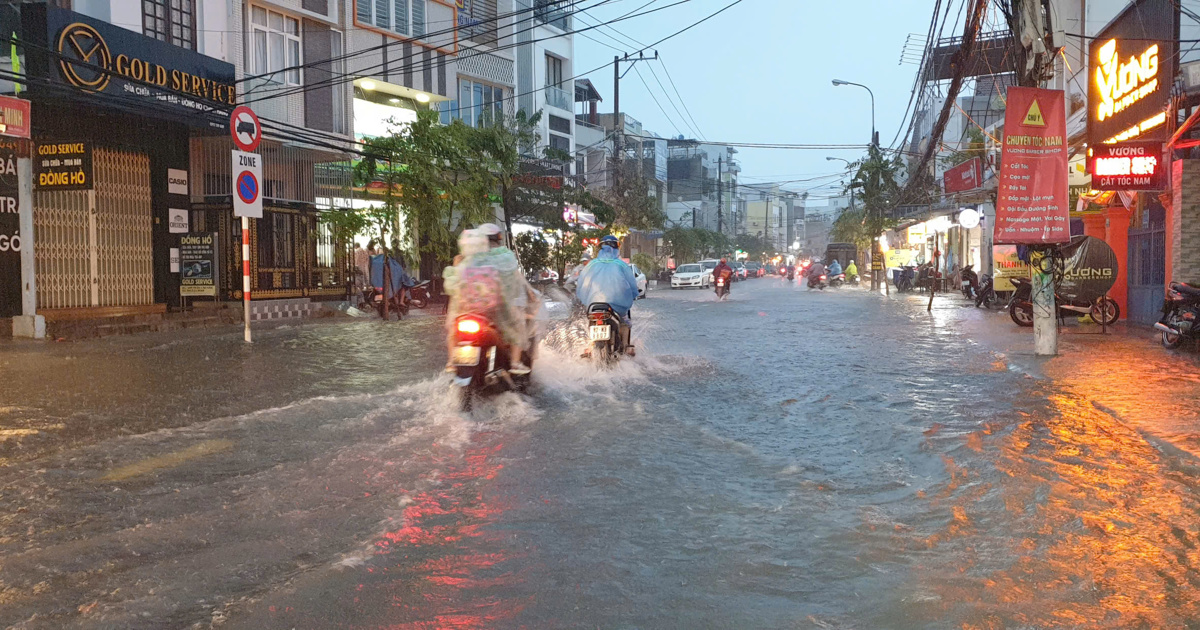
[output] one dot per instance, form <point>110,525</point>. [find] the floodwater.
<point>786,459</point>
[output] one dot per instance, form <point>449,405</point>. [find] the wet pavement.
<point>786,459</point>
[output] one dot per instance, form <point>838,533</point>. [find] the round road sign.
<point>247,187</point>
<point>245,128</point>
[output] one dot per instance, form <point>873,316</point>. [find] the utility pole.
<point>618,119</point>
<point>720,197</point>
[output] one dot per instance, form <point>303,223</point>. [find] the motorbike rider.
<point>835,268</point>
<point>723,270</point>
<point>815,271</point>
<point>608,280</point>
<point>488,274</point>
<point>851,270</point>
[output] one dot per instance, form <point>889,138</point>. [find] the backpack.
<point>480,289</point>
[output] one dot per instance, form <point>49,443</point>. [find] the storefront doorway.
<point>1147,270</point>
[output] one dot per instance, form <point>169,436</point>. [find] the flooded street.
<point>787,459</point>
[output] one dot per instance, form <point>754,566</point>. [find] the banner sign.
<point>63,166</point>
<point>1032,201</point>
<point>1006,265</point>
<point>10,235</point>
<point>14,117</point>
<point>965,176</point>
<point>125,69</point>
<point>1132,66</point>
<point>198,264</point>
<point>1128,166</point>
<point>1090,269</point>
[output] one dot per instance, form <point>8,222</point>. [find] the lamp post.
<point>874,134</point>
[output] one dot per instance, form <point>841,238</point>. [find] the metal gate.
<point>1147,273</point>
<point>94,246</point>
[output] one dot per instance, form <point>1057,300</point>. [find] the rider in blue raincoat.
<point>609,280</point>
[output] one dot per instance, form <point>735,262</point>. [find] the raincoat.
<point>835,267</point>
<point>851,270</point>
<point>489,282</point>
<point>609,280</point>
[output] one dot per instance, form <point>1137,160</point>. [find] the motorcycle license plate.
<point>465,355</point>
<point>599,333</point>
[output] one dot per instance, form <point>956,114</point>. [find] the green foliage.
<point>646,263</point>
<point>756,247</point>
<point>692,244</point>
<point>876,187</point>
<point>632,204</point>
<point>973,148</point>
<point>532,251</point>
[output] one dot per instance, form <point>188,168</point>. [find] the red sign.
<point>245,128</point>
<point>1031,200</point>
<point>965,176</point>
<point>14,117</point>
<point>1128,166</point>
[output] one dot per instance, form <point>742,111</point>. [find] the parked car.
<point>709,264</point>
<point>641,281</point>
<point>693,275</point>
<point>755,270</point>
<point>741,271</point>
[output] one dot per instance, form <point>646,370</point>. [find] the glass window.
<point>554,71</point>
<point>407,17</point>
<point>478,104</point>
<point>562,143</point>
<point>276,46</point>
<point>170,21</point>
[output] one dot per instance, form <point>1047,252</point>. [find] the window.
<point>478,104</point>
<point>561,143</point>
<point>554,71</point>
<point>405,17</point>
<point>477,20</point>
<point>338,68</point>
<point>275,45</point>
<point>170,21</point>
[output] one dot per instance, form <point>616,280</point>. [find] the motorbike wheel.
<point>1021,314</point>
<point>1106,309</point>
<point>466,398</point>
<point>420,302</point>
<point>1171,341</point>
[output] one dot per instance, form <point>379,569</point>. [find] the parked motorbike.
<point>970,282</point>
<point>1020,308</point>
<point>817,281</point>
<point>837,280</point>
<point>986,296</point>
<point>418,295</point>
<point>604,332</point>
<point>481,360</point>
<point>722,289</point>
<point>904,278</point>
<point>1180,315</point>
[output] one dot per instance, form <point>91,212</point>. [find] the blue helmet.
<point>611,241</point>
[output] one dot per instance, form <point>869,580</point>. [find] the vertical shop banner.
<point>1032,200</point>
<point>1006,266</point>
<point>10,236</point>
<point>198,264</point>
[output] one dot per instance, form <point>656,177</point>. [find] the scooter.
<point>418,295</point>
<point>604,332</point>
<point>722,289</point>
<point>481,360</point>
<point>1180,315</point>
<point>817,282</point>
<point>986,296</point>
<point>904,279</point>
<point>837,281</point>
<point>791,273</point>
<point>1020,308</point>
<point>970,282</point>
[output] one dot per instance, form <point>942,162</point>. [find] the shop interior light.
<point>368,85</point>
<point>393,100</point>
<point>422,98</point>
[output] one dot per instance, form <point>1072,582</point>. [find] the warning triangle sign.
<point>1033,118</point>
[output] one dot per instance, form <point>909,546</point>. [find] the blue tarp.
<point>399,276</point>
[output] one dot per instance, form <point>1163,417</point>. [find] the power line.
<point>655,98</point>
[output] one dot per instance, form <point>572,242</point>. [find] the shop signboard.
<point>1006,266</point>
<point>63,165</point>
<point>10,236</point>
<point>198,264</point>
<point>964,177</point>
<point>1032,201</point>
<point>14,117</point>
<point>1128,166</point>
<point>124,69</point>
<point>1132,65</point>
<point>1089,271</point>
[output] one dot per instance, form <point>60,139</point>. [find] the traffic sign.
<point>247,185</point>
<point>245,128</point>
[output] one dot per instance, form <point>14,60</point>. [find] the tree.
<point>633,205</point>
<point>533,252</point>
<point>974,148</point>
<point>646,263</point>
<point>691,244</point>
<point>756,247</point>
<point>876,184</point>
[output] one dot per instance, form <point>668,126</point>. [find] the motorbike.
<point>481,360</point>
<point>374,294</point>
<point>817,282</point>
<point>986,296</point>
<point>418,295</point>
<point>1180,315</point>
<point>604,332</point>
<point>904,278</point>
<point>791,273</point>
<point>1020,308</point>
<point>837,280</point>
<point>722,289</point>
<point>970,282</point>
<point>852,280</point>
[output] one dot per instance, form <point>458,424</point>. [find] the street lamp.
<point>874,139</point>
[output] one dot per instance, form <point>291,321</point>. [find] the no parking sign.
<point>247,185</point>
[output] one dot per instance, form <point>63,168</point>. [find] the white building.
<point>545,69</point>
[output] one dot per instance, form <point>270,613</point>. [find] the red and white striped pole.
<point>246,274</point>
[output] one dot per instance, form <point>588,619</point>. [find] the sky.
<point>761,72</point>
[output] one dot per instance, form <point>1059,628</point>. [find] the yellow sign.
<point>1134,131</point>
<point>1006,266</point>
<point>1033,118</point>
<point>916,234</point>
<point>1122,84</point>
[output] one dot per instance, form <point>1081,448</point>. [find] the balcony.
<point>554,13</point>
<point>560,98</point>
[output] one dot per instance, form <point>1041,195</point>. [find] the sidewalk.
<point>1125,372</point>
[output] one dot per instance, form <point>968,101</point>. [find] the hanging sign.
<point>1090,269</point>
<point>1128,166</point>
<point>1132,64</point>
<point>1006,265</point>
<point>247,185</point>
<point>1031,200</point>
<point>177,221</point>
<point>965,176</point>
<point>63,166</point>
<point>10,232</point>
<point>198,264</point>
<point>177,181</point>
<point>14,117</point>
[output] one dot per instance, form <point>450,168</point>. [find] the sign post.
<point>246,131</point>
<point>1032,200</point>
<point>19,291</point>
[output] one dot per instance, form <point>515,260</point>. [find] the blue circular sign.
<point>247,187</point>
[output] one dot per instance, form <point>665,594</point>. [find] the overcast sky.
<point>761,71</point>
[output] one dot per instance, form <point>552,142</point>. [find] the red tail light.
<point>822,277</point>
<point>468,326</point>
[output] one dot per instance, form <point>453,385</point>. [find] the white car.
<point>641,281</point>
<point>692,275</point>
<point>708,265</point>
